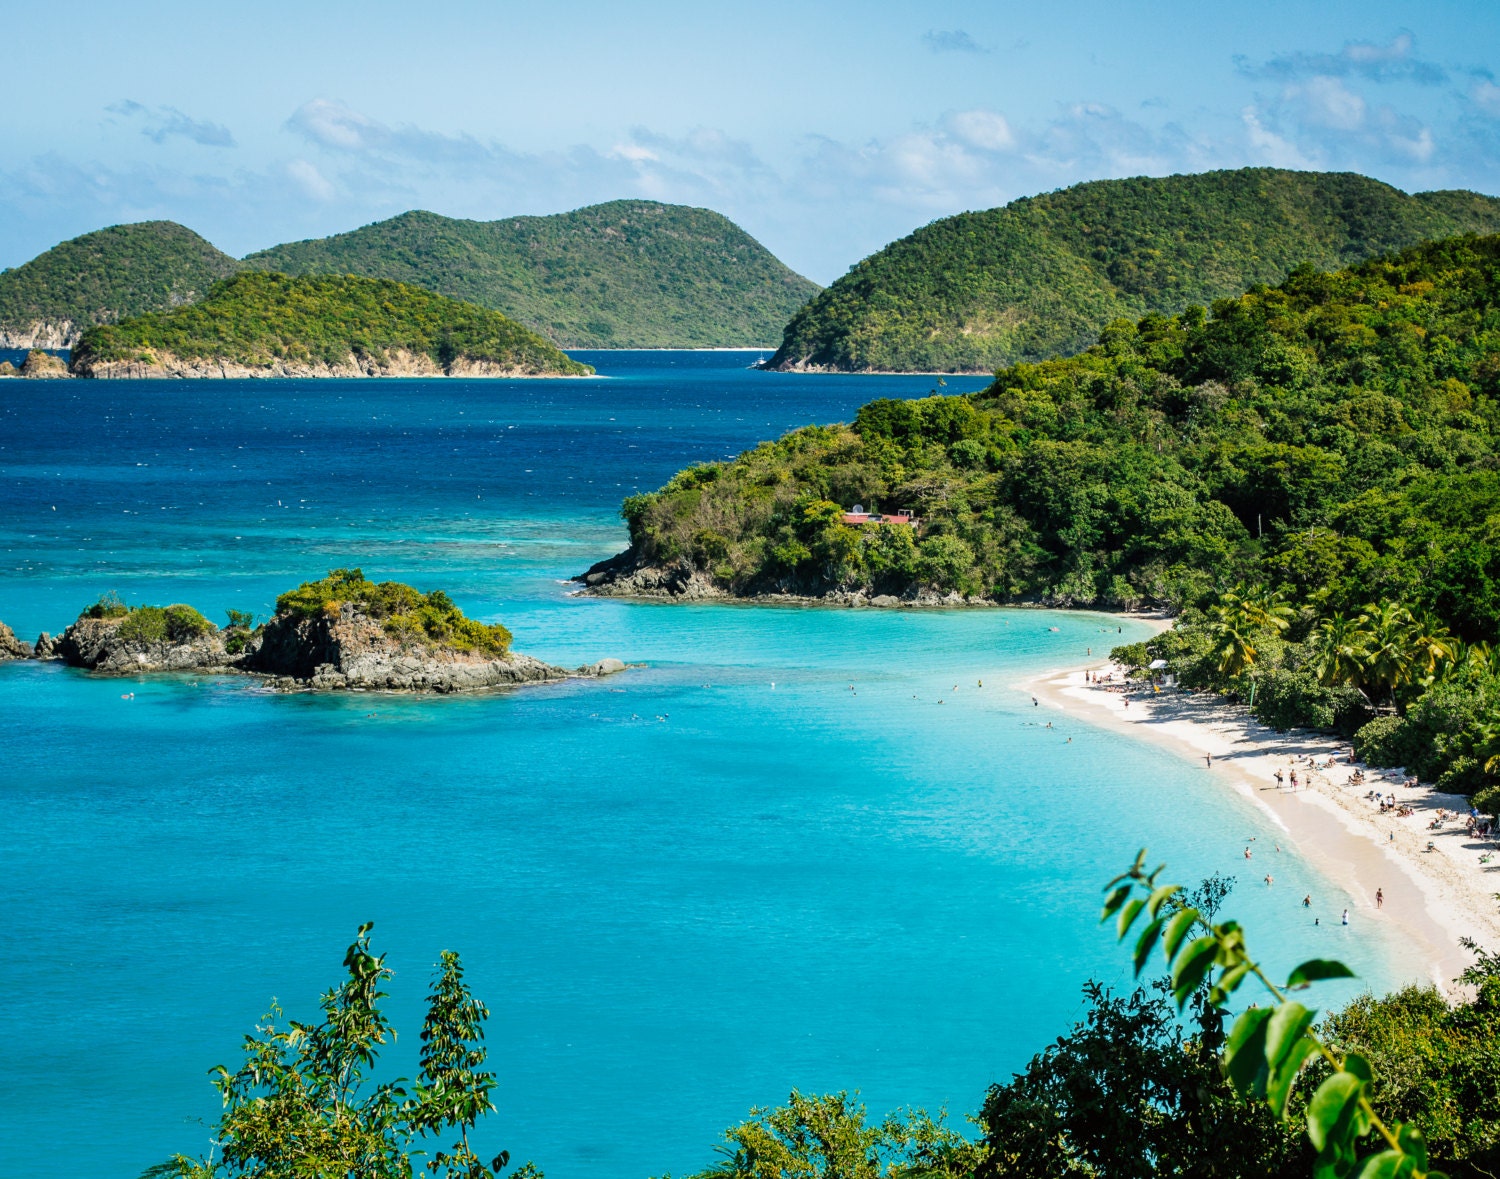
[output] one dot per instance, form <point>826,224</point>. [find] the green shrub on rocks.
<point>158,624</point>
<point>403,612</point>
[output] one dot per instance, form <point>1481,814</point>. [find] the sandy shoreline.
<point>1432,898</point>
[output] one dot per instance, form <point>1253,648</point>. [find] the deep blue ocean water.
<point>803,847</point>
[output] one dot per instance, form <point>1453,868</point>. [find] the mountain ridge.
<point>1043,275</point>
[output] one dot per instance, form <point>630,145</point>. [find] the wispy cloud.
<point>1395,61</point>
<point>951,41</point>
<point>160,123</point>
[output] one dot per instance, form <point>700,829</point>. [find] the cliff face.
<point>396,364</point>
<point>41,333</point>
<point>12,647</point>
<point>351,650</point>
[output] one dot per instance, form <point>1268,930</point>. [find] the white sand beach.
<point>1432,897</point>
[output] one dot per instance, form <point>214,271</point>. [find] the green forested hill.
<point>1340,433</point>
<point>273,321</point>
<point>622,274</point>
<point>1041,276</point>
<point>108,275</point>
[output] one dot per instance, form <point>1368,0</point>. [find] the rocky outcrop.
<point>100,644</point>
<point>45,647</point>
<point>628,575</point>
<point>12,647</point>
<point>43,364</point>
<point>352,650</point>
<point>393,364</point>
<point>40,333</point>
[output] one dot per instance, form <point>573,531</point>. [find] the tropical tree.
<point>1338,646</point>
<point>1268,1045</point>
<point>303,1104</point>
<point>1389,654</point>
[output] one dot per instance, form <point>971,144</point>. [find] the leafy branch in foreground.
<point>1267,1046</point>
<point>302,1103</point>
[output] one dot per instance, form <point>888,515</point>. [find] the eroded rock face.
<point>396,363</point>
<point>45,647</point>
<point>43,364</point>
<point>12,647</point>
<point>625,576</point>
<point>98,645</point>
<point>353,650</point>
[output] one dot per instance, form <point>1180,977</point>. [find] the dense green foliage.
<point>829,1137</point>
<point>111,274</point>
<point>303,1103</point>
<point>627,274</point>
<point>151,624</point>
<point>403,612</point>
<point>1042,276</point>
<point>1334,437</point>
<point>262,319</point>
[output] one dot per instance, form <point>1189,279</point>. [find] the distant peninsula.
<point>342,632</point>
<point>1042,276</point>
<point>258,324</point>
<point>625,274</point>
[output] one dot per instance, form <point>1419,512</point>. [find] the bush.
<point>1293,700</point>
<point>163,624</point>
<point>1487,800</point>
<point>1131,655</point>
<point>109,605</point>
<point>1386,741</point>
<point>403,612</point>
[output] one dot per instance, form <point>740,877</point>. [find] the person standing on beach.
<point>1209,759</point>
<point>1346,916</point>
<point>1280,781</point>
<point>1379,897</point>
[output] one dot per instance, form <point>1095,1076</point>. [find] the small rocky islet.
<point>340,633</point>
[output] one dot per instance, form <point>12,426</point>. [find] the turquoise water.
<point>801,848</point>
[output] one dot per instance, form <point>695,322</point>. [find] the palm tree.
<point>1263,608</point>
<point>1390,656</point>
<point>1340,649</point>
<point>1433,645</point>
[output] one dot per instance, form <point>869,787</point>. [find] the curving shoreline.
<point>1432,898</point>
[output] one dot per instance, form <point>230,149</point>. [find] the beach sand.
<point>1432,897</point>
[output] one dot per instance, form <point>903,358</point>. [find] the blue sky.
<point>826,129</point>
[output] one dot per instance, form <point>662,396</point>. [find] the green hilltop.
<point>105,276</point>
<point>1041,276</point>
<point>626,274</point>
<point>274,322</point>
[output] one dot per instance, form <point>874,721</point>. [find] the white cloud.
<point>1327,102</point>
<point>313,183</point>
<point>1394,61</point>
<point>163,122</point>
<point>1486,96</point>
<point>983,129</point>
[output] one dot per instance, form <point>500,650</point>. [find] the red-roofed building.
<point>860,517</point>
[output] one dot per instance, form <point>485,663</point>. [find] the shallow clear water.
<point>682,891</point>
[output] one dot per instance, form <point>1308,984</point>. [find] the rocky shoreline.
<point>348,651</point>
<point>397,363</point>
<point>626,576</point>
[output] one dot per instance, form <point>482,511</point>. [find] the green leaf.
<point>1191,966</point>
<point>1287,1025</point>
<point>1177,929</point>
<point>1128,915</point>
<point>1359,1066</point>
<point>1411,1141</point>
<point>1159,897</point>
<point>1229,983</point>
<point>1283,1074</point>
<point>1317,969</point>
<point>1145,944</point>
<point>1114,901</point>
<point>1245,1051</point>
<point>1328,1114</point>
<point>1388,1164</point>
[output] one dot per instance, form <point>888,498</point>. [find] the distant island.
<point>1042,276</point>
<point>626,274</point>
<point>105,276</point>
<point>258,324</point>
<point>342,632</point>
